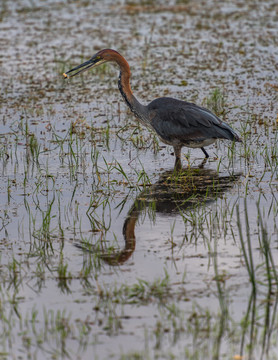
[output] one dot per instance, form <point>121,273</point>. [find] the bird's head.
<point>99,58</point>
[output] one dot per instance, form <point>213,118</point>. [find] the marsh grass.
<point>75,169</point>
<point>217,102</point>
<point>207,216</point>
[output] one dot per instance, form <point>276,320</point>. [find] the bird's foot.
<point>201,166</point>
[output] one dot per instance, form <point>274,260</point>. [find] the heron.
<point>176,122</point>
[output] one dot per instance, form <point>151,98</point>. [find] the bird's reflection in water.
<point>171,194</point>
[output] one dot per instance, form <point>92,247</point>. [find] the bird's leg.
<point>201,166</point>
<point>204,151</point>
<point>177,150</point>
<point>178,164</point>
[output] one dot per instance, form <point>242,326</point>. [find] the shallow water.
<point>106,252</point>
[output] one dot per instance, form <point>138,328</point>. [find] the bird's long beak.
<point>94,61</point>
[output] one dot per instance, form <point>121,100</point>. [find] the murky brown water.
<point>104,252</point>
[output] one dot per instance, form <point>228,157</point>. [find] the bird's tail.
<point>228,133</point>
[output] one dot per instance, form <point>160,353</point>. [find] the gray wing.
<point>176,120</point>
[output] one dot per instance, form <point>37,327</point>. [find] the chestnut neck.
<point>135,106</point>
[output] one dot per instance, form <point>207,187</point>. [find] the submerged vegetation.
<point>106,252</point>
